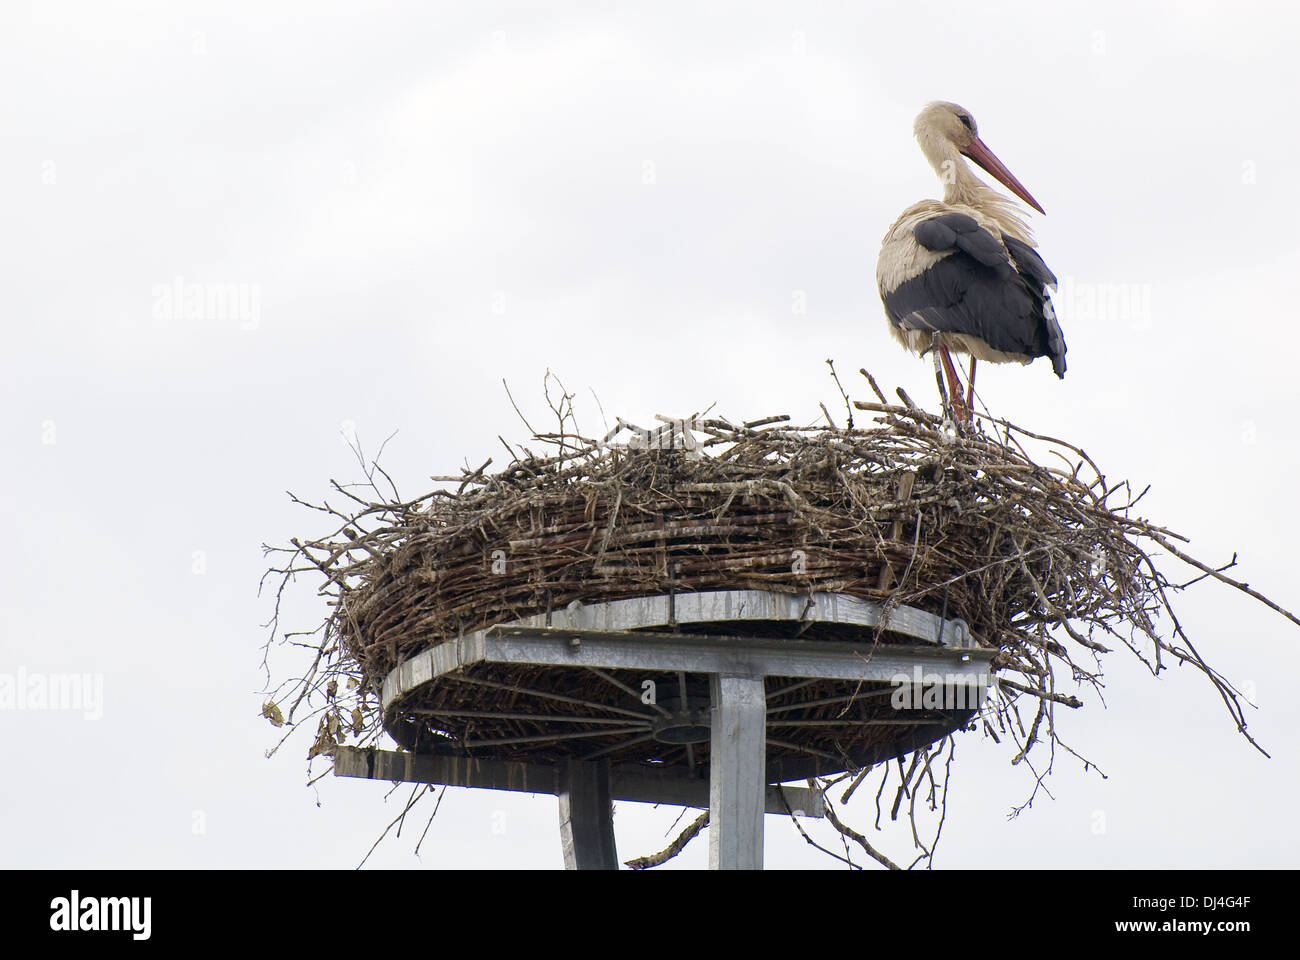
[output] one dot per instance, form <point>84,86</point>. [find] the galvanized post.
<point>737,772</point>
<point>586,816</point>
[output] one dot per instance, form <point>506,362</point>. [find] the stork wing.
<point>956,230</point>
<point>1037,276</point>
<point>994,288</point>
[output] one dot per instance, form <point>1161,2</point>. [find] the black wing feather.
<point>994,289</point>
<point>958,230</point>
<point>1028,262</point>
<point>1031,267</point>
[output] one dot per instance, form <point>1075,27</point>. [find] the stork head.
<point>946,132</point>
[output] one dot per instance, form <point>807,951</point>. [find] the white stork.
<point>963,274</point>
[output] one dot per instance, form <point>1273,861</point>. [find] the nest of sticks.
<point>1042,556</point>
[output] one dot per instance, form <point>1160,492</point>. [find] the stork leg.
<point>970,387</point>
<point>939,373</point>
<point>960,410</point>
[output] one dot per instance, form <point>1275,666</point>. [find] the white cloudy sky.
<point>423,199</point>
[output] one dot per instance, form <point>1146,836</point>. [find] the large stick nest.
<point>1044,559</point>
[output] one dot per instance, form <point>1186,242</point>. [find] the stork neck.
<point>961,185</point>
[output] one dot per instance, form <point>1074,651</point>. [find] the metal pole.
<point>737,772</point>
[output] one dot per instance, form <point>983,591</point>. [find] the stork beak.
<point>993,166</point>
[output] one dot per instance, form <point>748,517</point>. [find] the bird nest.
<point>1043,558</point>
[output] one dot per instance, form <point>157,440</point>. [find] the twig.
<point>674,848</point>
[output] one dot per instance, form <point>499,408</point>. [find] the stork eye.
<point>966,120</point>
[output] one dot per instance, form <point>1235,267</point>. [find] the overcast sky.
<point>669,205</point>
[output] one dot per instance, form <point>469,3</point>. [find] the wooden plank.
<point>452,771</point>
<point>636,785</point>
<point>586,816</point>
<point>737,766</point>
<point>887,572</point>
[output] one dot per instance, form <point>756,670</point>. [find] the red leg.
<point>960,410</point>
<point>970,388</point>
